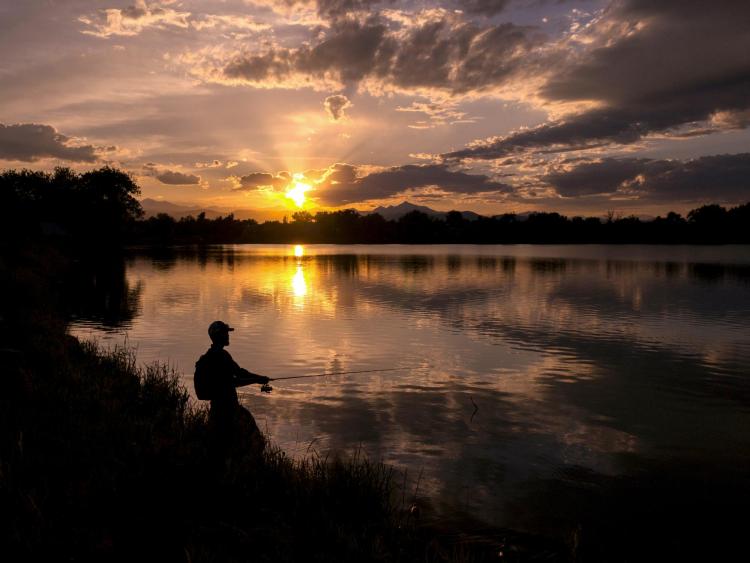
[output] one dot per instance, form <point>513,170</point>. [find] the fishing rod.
<point>266,388</point>
<point>336,373</point>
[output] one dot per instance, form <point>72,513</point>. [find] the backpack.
<point>202,379</point>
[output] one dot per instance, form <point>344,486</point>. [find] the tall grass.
<point>105,460</point>
<point>115,461</point>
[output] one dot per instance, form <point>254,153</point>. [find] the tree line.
<point>101,206</point>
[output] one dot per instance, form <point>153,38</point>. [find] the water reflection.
<point>98,294</point>
<point>589,371</point>
<point>299,285</point>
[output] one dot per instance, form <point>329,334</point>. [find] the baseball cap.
<point>217,327</point>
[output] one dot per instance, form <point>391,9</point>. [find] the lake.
<point>551,389</point>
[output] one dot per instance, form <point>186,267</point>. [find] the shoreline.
<point>103,459</point>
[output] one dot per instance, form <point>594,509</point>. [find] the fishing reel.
<point>266,388</point>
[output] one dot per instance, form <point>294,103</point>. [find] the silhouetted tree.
<point>93,209</point>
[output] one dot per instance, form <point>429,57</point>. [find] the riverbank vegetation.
<point>103,460</point>
<point>709,224</point>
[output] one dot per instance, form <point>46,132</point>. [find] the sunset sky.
<point>639,106</point>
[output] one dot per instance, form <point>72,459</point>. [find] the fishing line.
<point>266,388</point>
<point>337,373</point>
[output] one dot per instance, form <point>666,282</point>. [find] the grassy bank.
<point>104,460</point>
<point>113,461</point>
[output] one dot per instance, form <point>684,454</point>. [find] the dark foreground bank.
<point>102,460</point>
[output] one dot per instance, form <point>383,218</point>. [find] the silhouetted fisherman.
<point>217,376</point>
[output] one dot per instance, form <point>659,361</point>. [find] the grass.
<point>104,460</point>
<point>112,460</point>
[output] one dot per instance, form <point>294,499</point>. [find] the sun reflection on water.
<point>299,285</point>
<point>299,251</point>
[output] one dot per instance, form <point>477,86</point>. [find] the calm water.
<point>603,377</point>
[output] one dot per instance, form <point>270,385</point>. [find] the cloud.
<point>177,178</point>
<point>257,180</point>
<point>339,8</point>
<point>601,177</point>
<point>30,141</point>
<point>210,164</point>
<point>328,9</point>
<point>132,20</point>
<point>229,21</point>
<point>438,51</point>
<point>661,51</point>
<point>581,131</point>
<point>723,178</point>
<point>342,184</point>
<point>484,7</point>
<point>350,52</point>
<point>646,68</point>
<point>332,9</point>
<point>336,106</point>
<point>443,112</point>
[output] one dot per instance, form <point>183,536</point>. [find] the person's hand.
<point>263,379</point>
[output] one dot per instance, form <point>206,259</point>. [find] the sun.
<point>297,193</point>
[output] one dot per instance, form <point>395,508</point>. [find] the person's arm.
<point>242,377</point>
<point>245,377</point>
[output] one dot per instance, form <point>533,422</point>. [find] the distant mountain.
<point>394,212</point>
<point>152,207</point>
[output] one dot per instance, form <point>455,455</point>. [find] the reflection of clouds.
<point>574,362</point>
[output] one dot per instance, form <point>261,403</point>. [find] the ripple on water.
<point>583,363</point>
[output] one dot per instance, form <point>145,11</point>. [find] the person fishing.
<point>217,376</point>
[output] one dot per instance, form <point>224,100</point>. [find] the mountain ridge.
<point>393,212</point>
<point>153,207</point>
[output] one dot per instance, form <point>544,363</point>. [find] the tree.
<point>95,208</point>
<point>302,217</point>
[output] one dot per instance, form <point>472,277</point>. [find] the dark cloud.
<point>351,51</point>
<point>723,178</point>
<point>449,54</point>
<point>604,177</point>
<point>457,56</point>
<point>654,67</point>
<point>342,185</point>
<point>30,141</point>
<point>138,11</point>
<point>674,54</point>
<point>336,106</point>
<point>338,8</point>
<point>332,9</point>
<point>485,7</point>
<point>273,64</point>
<point>581,131</point>
<point>177,178</point>
<point>263,180</point>
<point>492,55</point>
